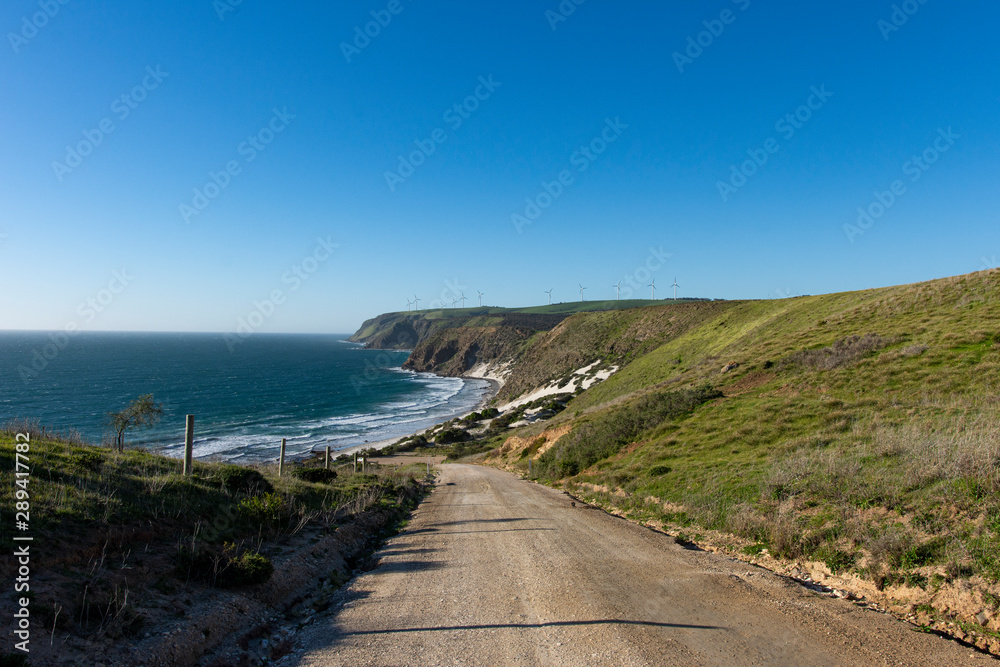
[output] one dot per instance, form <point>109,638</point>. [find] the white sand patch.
<point>599,376</point>
<point>549,390</point>
<point>483,371</point>
<point>586,382</point>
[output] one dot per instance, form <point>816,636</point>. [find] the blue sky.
<point>203,86</point>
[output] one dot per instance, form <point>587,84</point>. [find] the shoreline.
<point>378,445</point>
<point>319,450</point>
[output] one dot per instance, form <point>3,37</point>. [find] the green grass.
<point>860,429</point>
<point>113,532</point>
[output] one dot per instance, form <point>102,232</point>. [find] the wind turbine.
<point>481,295</point>
<point>653,292</point>
<point>618,289</point>
<point>416,302</point>
<point>549,292</point>
<point>408,304</point>
<point>675,286</point>
<point>581,291</point>
<point>463,299</point>
<point>453,302</point>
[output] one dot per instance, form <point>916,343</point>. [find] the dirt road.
<point>493,570</point>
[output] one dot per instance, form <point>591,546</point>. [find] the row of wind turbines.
<point>415,304</point>
<point>416,301</point>
<point>618,289</point>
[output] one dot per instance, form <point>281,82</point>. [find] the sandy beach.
<point>494,388</point>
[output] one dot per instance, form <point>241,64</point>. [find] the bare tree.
<point>140,413</point>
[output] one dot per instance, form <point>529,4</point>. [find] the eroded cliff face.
<point>457,351</point>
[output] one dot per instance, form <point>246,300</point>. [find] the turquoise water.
<point>314,390</point>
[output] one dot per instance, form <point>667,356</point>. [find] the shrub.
<point>554,406</point>
<point>226,568</point>
<point>506,419</point>
<point>250,569</point>
<point>237,479</point>
<point>838,561</point>
<point>318,475</point>
<point>267,507</point>
<point>923,554</point>
<point>450,435</point>
<point>408,444</point>
<point>88,460</point>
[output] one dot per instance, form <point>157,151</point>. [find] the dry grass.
<point>843,352</point>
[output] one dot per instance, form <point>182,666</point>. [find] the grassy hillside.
<point>860,429</point>
<point>613,338</point>
<point>122,541</point>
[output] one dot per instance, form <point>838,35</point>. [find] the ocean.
<point>314,390</point>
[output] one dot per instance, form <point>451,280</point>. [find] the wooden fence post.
<point>188,445</point>
<point>281,458</point>
<point>327,464</point>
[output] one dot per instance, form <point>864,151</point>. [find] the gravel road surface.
<point>494,570</point>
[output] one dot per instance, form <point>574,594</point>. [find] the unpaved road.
<point>493,570</point>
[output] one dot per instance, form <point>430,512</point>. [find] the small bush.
<point>265,508</point>
<point>923,554</point>
<point>451,435</point>
<point>250,569</point>
<point>88,460</point>
<point>226,568</point>
<point>838,561</point>
<point>506,419</point>
<point>237,479</point>
<point>317,475</point>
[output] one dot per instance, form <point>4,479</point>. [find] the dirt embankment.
<point>189,623</point>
